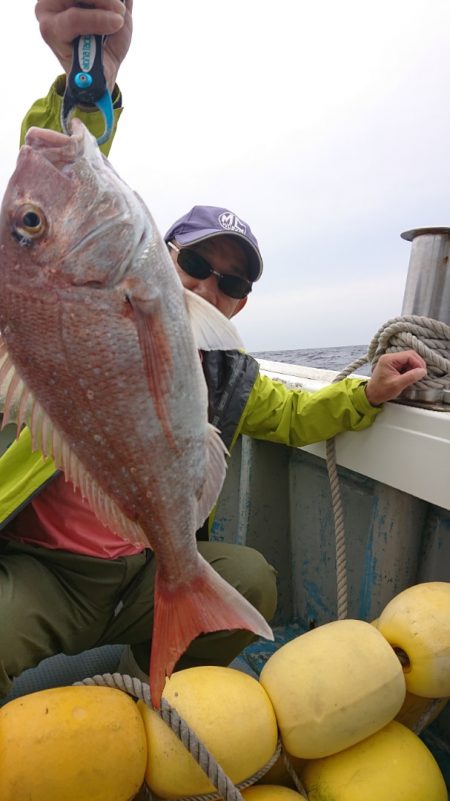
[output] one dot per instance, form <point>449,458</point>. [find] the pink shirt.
<point>60,518</point>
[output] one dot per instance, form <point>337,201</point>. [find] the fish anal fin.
<point>16,401</point>
<point>102,505</point>
<point>157,358</point>
<point>48,439</point>
<point>207,603</point>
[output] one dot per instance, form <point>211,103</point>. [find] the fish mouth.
<point>97,239</point>
<point>61,149</point>
<point>39,138</point>
<point>57,147</point>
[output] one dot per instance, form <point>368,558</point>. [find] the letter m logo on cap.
<point>231,222</point>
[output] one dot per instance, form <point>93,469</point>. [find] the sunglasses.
<point>197,267</point>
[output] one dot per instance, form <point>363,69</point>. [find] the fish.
<point>99,357</point>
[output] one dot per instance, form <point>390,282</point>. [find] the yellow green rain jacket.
<point>241,399</point>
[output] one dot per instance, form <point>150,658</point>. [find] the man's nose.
<point>208,289</point>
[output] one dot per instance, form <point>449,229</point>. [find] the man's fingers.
<point>64,27</point>
<point>410,377</point>
<point>407,359</point>
<point>58,6</point>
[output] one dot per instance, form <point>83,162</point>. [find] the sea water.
<point>323,358</point>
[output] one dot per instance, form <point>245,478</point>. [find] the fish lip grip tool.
<point>86,83</point>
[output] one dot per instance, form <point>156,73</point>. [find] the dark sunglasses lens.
<point>193,264</point>
<point>197,267</point>
<point>234,287</point>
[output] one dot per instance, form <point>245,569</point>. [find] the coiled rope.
<point>226,790</point>
<point>431,339</point>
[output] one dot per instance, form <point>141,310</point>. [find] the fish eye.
<point>29,222</point>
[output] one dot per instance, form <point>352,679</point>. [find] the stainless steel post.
<point>427,290</point>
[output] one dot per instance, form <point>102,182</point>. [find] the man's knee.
<point>247,570</point>
<point>5,681</point>
<point>259,578</point>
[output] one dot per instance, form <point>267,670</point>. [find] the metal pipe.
<point>427,289</point>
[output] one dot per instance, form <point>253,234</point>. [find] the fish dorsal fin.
<point>215,475</point>
<point>20,406</point>
<point>211,329</point>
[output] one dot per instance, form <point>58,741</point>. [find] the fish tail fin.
<point>205,604</point>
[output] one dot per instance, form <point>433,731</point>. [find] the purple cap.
<point>203,222</point>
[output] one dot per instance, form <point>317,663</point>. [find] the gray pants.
<point>58,602</point>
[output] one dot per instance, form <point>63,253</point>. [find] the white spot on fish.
<point>90,395</point>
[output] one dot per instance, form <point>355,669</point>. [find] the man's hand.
<point>392,374</point>
<point>61,21</point>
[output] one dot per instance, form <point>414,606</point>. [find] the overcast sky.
<point>325,125</point>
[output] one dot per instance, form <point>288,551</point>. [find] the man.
<point>67,583</point>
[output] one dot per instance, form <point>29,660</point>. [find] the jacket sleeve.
<point>23,472</point>
<point>297,417</point>
<point>46,113</point>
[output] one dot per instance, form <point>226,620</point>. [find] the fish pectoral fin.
<point>204,604</point>
<point>157,358</point>
<point>216,468</point>
<point>211,329</point>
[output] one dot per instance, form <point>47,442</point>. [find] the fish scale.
<point>79,400</point>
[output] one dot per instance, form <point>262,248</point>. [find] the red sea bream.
<point>99,357</point>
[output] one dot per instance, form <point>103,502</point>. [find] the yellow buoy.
<point>71,744</point>
<point>417,624</point>
<point>230,713</point>
<point>333,686</point>
<point>391,765</point>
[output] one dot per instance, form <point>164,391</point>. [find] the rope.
<point>338,509</point>
<point>426,716</point>
<point>293,773</point>
<point>431,339</point>
<point>226,789</point>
